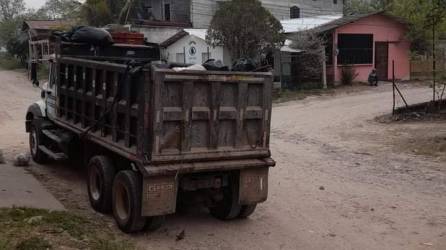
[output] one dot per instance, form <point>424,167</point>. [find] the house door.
<point>382,60</point>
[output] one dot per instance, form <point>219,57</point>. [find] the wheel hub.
<point>95,184</point>
<point>33,142</point>
<point>122,202</point>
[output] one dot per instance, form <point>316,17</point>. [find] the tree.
<point>354,7</point>
<point>9,9</point>
<point>312,59</point>
<point>245,28</point>
<point>428,22</point>
<point>421,15</point>
<point>61,9</point>
<point>97,12</point>
<point>10,13</point>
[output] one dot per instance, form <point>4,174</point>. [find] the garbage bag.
<point>92,35</point>
<point>217,65</point>
<point>87,34</point>
<point>244,64</point>
<point>191,67</point>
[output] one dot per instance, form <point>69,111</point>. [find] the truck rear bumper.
<point>161,183</point>
<point>196,167</point>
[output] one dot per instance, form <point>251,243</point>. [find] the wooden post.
<point>324,70</point>
<point>434,65</point>
<point>393,86</point>
<point>209,55</point>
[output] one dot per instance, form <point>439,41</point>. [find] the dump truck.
<point>153,138</point>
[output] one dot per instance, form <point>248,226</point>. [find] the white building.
<point>189,46</point>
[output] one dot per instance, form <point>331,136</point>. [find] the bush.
<point>8,62</point>
<point>348,75</point>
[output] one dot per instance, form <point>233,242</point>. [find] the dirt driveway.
<point>342,181</point>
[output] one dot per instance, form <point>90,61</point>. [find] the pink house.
<point>366,42</point>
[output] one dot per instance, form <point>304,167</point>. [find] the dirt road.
<point>17,186</point>
<point>342,181</point>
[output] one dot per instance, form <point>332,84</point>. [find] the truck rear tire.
<point>127,197</point>
<point>101,172</point>
<point>247,210</point>
<point>228,208</point>
<point>35,139</point>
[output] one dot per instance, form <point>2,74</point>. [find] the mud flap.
<point>159,195</point>
<point>253,186</point>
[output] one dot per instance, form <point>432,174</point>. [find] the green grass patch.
<point>30,228</point>
<point>294,95</point>
<point>34,243</point>
<point>9,63</point>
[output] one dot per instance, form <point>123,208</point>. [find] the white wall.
<point>190,44</point>
<point>156,34</point>
<point>203,10</point>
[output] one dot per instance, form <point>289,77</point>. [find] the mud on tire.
<point>228,208</point>
<point>127,201</point>
<point>35,139</point>
<point>101,172</point>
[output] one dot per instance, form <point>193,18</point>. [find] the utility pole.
<point>434,64</point>
<point>324,69</point>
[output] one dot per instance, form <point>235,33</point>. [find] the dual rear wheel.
<point>229,208</point>
<point>119,192</point>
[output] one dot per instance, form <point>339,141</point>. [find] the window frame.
<point>295,12</point>
<point>357,54</point>
<point>167,12</point>
<point>183,57</point>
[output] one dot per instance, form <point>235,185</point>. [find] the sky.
<point>35,4</point>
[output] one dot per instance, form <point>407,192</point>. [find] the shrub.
<point>348,75</point>
<point>8,62</point>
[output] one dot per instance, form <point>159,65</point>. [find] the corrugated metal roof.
<point>199,33</point>
<point>173,39</point>
<point>307,23</point>
<point>45,24</point>
<point>353,18</point>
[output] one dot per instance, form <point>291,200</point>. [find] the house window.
<point>167,12</point>
<point>205,56</point>
<point>335,1</point>
<point>355,49</point>
<point>294,12</point>
<point>179,58</point>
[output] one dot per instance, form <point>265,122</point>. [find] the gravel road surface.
<point>342,180</point>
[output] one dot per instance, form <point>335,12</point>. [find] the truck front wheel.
<point>35,137</point>
<point>127,196</point>
<point>101,172</point>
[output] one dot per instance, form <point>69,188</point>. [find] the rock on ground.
<point>21,160</point>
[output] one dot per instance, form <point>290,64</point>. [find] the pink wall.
<point>384,29</point>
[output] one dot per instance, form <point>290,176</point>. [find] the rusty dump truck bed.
<point>156,116</point>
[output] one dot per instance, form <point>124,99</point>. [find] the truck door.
<point>50,97</point>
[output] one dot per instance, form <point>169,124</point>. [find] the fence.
<point>421,69</point>
<point>39,52</point>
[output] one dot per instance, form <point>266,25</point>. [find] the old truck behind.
<point>153,138</point>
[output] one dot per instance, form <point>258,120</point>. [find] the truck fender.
<point>36,110</point>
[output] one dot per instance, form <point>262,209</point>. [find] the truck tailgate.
<point>208,115</point>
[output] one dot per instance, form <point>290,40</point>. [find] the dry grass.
<point>29,228</point>
<point>9,63</point>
